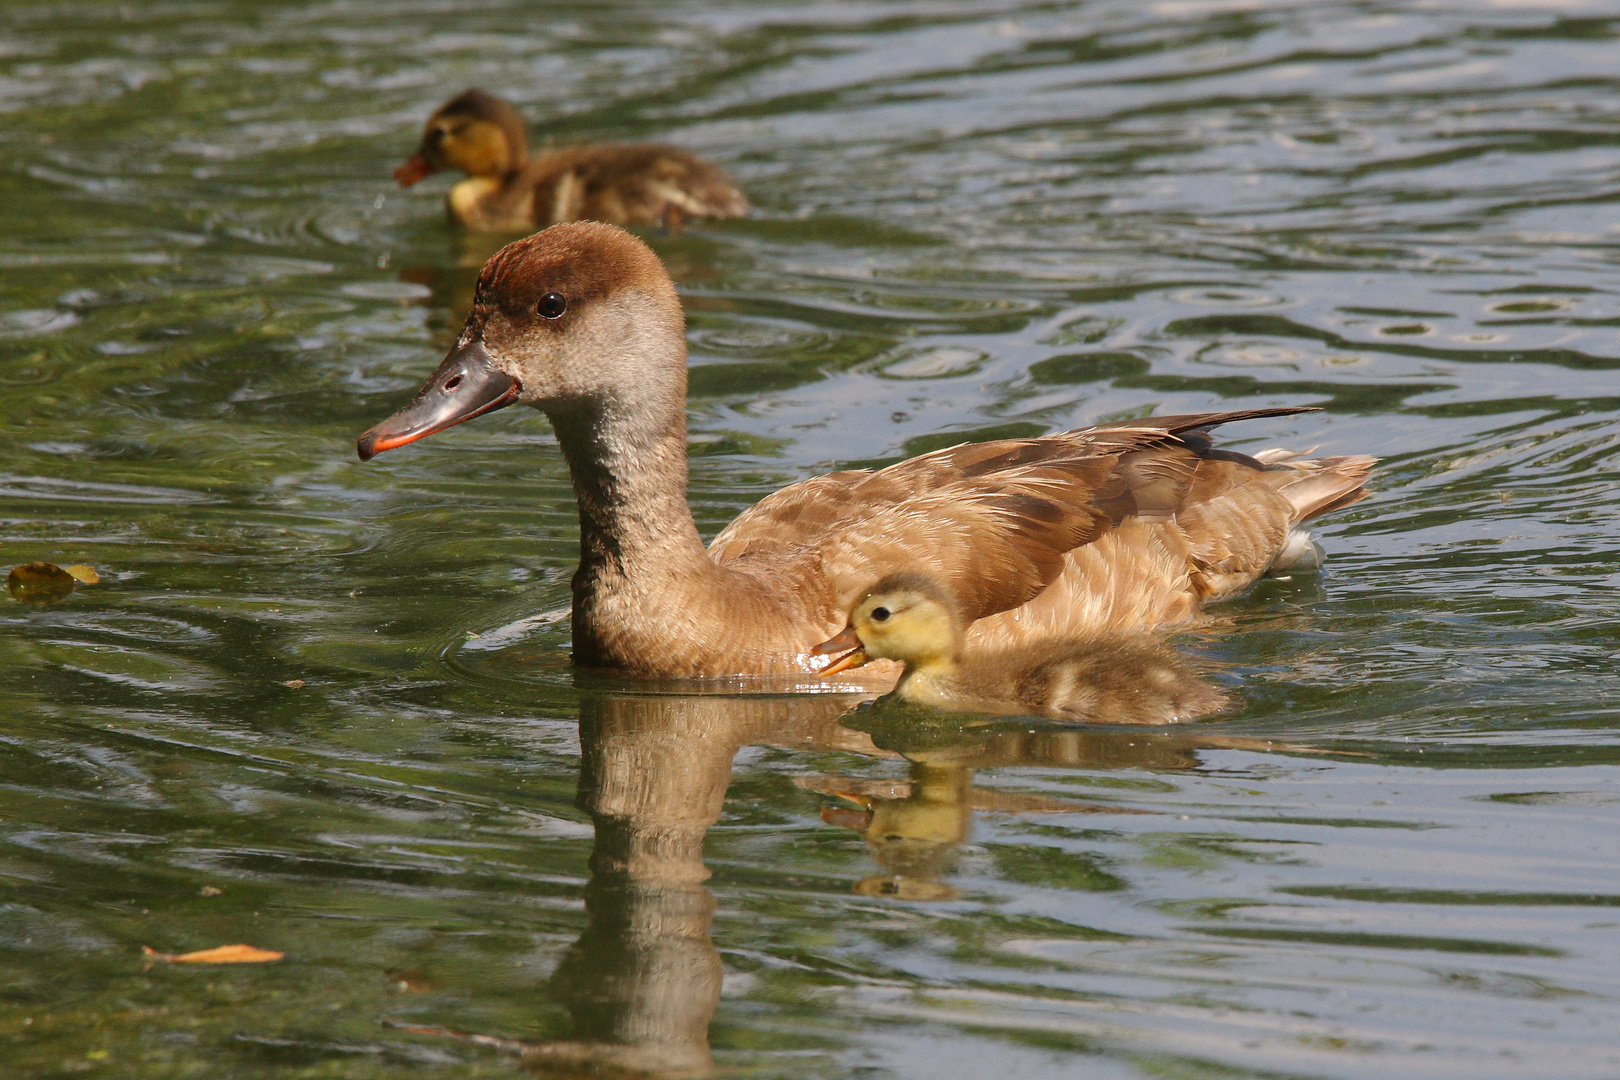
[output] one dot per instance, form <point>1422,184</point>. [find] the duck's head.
<point>580,319</point>
<point>908,617</point>
<point>475,132</point>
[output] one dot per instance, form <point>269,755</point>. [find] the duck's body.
<point>1129,678</point>
<point>506,190</point>
<point>1129,525</point>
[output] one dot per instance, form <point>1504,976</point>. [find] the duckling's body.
<point>911,618</point>
<point>1130,525</point>
<point>506,190</point>
<point>1099,682</point>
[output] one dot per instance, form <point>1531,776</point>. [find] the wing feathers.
<point>1129,524</point>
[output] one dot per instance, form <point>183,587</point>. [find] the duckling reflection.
<point>915,828</point>
<point>912,618</point>
<point>913,833</point>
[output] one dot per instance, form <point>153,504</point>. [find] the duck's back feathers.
<point>1125,526</point>
<point>993,520</point>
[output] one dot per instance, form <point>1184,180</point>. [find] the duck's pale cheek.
<point>466,385</point>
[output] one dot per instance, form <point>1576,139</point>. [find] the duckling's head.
<point>580,320</point>
<point>908,617</point>
<point>475,132</point>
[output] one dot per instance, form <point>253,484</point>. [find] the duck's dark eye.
<point>552,305</point>
<point>880,614</point>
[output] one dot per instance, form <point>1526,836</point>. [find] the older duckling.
<point>506,190</point>
<point>1126,526</point>
<point>911,618</point>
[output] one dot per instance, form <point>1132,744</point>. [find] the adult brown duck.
<point>506,190</point>
<point>1128,525</point>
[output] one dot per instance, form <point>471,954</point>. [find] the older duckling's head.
<point>908,617</point>
<point>475,132</point>
<point>580,320</point>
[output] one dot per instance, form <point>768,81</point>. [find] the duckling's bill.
<point>414,169</point>
<point>847,643</point>
<point>466,385</point>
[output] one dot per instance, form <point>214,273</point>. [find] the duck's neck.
<point>642,564</point>
<point>630,480</point>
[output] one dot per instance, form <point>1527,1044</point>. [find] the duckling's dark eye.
<point>880,614</point>
<point>551,306</point>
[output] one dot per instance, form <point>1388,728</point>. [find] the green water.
<point>972,219</point>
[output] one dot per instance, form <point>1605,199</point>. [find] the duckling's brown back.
<point>641,183</point>
<point>1129,681</point>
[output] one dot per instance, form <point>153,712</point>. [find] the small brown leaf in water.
<point>83,573</point>
<point>39,583</point>
<point>225,954</point>
<point>209,890</point>
<point>295,684</point>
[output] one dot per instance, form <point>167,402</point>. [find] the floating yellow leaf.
<point>225,954</point>
<point>83,574</point>
<point>39,583</point>
<point>295,684</point>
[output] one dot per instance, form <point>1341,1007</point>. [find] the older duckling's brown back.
<point>642,183</point>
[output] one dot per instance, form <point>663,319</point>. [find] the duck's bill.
<point>853,655</point>
<point>466,385</point>
<point>413,170</point>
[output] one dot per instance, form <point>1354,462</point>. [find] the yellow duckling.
<point>911,618</point>
<point>642,183</point>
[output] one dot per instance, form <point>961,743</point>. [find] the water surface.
<point>1396,858</point>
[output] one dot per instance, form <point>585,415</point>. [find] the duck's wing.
<point>643,183</point>
<point>1127,524</point>
<point>993,521</point>
<point>1236,520</point>
<point>1240,519</point>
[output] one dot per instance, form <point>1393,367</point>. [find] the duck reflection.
<point>643,981</point>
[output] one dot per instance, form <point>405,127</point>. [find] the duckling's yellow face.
<point>906,624</point>
<point>476,147</point>
<point>475,132</point>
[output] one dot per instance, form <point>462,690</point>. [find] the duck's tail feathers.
<point>1323,484</point>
